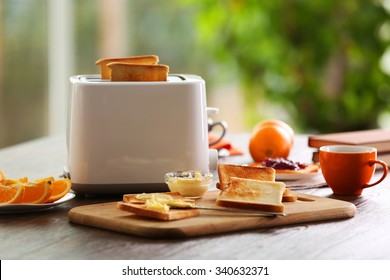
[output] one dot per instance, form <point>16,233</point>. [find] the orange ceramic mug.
<point>348,169</point>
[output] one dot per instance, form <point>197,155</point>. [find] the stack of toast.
<point>251,187</point>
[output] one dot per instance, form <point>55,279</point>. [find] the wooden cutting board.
<point>308,208</point>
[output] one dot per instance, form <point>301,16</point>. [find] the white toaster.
<point>124,136</point>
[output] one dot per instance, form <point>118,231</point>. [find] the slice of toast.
<point>142,197</point>
<point>138,72</point>
<point>226,171</point>
<point>171,215</point>
<point>253,194</point>
<point>179,207</point>
<point>105,71</point>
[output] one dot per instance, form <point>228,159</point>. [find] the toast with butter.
<point>226,171</point>
<point>253,194</point>
<point>167,206</point>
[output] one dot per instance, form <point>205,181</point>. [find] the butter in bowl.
<point>191,184</point>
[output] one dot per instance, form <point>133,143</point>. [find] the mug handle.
<point>385,172</point>
<point>223,124</point>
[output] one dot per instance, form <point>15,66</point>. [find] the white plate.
<point>296,176</point>
<point>19,208</point>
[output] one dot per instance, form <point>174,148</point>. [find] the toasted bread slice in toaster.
<point>253,194</point>
<point>105,71</point>
<point>226,171</point>
<point>138,72</point>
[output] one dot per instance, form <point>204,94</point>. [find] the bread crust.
<point>289,198</point>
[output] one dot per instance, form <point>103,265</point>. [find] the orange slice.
<point>35,193</point>
<point>2,176</point>
<point>23,180</point>
<point>7,181</point>
<point>47,179</point>
<point>40,191</point>
<point>11,194</point>
<point>59,189</point>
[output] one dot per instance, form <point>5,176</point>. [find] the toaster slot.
<point>171,78</point>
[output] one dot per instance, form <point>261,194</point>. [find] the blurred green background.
<point>321,66</point>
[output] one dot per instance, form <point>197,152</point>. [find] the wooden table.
<point>49,234</point>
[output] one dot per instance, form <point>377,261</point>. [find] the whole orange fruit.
<point>271,138</point>
<point>279,123</point>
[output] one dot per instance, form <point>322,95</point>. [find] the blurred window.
<point>44,42</point>
<point>23,70</point>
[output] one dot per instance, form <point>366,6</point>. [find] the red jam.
<point>282,163</point>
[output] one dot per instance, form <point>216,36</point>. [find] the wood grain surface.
<point>50,235</point>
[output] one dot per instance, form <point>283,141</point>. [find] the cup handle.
<point>223,124</point>
<point>385,172</point>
